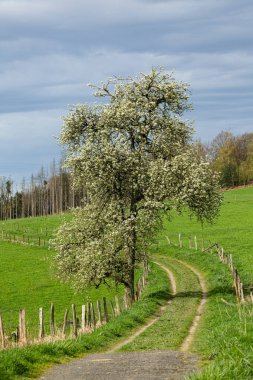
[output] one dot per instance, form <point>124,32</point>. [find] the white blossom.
<point>135,159</point>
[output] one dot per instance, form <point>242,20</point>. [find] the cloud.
<point>50,50</point>
<point>60,79</point>
<point>82,13</point>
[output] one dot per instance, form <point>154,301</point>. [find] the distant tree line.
<point>51,192</point>
<point>231,156</point>
<point>48,192</point>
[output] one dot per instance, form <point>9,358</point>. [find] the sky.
<point>51,49</point>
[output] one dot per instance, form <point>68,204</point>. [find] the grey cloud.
<point>51,49</point>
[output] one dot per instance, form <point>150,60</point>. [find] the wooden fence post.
<point>42,327</point>
<point>242,299</point>
<point>105,310</point>
<point>236,283</point>
<point>2,332</point>
<point>145,266</point>
<point>52,327</point>
<point>238,286</point>
<point>234,277</point>
<point>88,315</point>
<point>93,316</point>
<point>100,320</point>
<point>22,327</point>
<point>74,320</point>
<point>83,318</point>
<point>117,305</point>
<point>125,298</point>
<point>168,240</point>
<point>65,323</point>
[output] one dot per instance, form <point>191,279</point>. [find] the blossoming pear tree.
<point>135,158</point>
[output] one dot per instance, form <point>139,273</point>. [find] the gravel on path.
<point>149,365</point>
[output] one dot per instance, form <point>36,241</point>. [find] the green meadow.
<point>41,227</point>
<point>224,336</point>
<point>27,278</point>
<point>28,362</point>
<point>232,229</point>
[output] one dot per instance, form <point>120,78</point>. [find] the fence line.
<point>225,258</point>
<point>24,239</point>
<point>71,326</point>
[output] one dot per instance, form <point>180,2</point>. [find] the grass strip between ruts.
<point>169,331</point>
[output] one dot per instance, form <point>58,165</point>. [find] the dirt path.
<point>150,365</point>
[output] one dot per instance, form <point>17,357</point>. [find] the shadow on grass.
<point>160,295</point>
<point>219,290</point>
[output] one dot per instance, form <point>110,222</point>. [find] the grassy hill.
<point>232,229</point>
<point>26,274</point>
<point>225,333</point>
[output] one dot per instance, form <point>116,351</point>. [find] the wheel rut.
<point>190,336</point>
